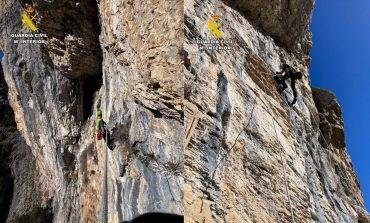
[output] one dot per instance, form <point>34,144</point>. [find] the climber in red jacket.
<point>102,131</point>
<point>289,73</point>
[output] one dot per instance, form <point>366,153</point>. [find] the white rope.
<point>237,137</point>
<point>285,176</point>
<point>105,189</point>
<point>282,161</point>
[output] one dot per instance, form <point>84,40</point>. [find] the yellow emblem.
<point>214,26</point>
<point>29,22</point>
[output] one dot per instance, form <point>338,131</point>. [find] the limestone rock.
<point>121,56</point>
<point>250,157</point>
<point>18,175</point>
<point>331,120</point>
<point>287,22</point>
<point>214,141</point>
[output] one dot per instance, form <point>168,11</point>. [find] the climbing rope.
<point>228,151</point>
<point>320,157</point>
<point>285,175</point>
<point>105,186</point>
<point>281,157</point>
<point>236,139</point>
<point>304,124</point>
<point>283,163</point>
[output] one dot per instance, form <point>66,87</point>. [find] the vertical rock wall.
<point>222,133</point>
<point>250,157</point>
<point>18,170</point>
<point>123,58</point>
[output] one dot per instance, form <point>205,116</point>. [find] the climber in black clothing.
<point>289,73</point>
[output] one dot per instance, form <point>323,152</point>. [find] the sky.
<point>341,64</point>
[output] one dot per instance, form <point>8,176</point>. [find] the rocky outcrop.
<point>250,157</point>
<point>287,22</point>
<point>73,28</point>
<point>129,65</point>
<point>340,173</point>
<point>331,118</point>
<point>219,130</point>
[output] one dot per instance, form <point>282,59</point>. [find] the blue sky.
<point>341,63</point>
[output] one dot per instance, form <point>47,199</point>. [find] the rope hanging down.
<point>285,175</point>
<point>224,156</point>
<point>235,141</point>
<point>105,186</point>
<point>281,156</point>
<point>282,161</point>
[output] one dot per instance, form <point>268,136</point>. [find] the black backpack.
<point>297,75</point>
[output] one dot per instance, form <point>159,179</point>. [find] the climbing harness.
<point>280,87</point>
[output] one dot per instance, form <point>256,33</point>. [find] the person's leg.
<point>283,86</point>
<point>106,137</point>
<point>109,140</point>
<point>294,92</point>
<point>122,171</point>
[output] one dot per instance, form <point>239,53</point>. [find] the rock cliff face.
<point>121,56</point>
<point>218,145</point>
<point>18,174</point>
<point>250,157</point>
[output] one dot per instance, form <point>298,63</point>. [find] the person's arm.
<point>287,75</point>
<point>280,72</point>
<point>96,126</point>
<point>104,125</point>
